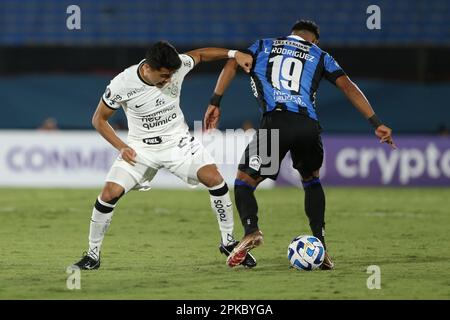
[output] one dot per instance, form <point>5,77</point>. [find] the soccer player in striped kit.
<point>284,78</point>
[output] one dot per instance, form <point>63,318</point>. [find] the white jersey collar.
<point>296,37</point>
<point>139,75</point>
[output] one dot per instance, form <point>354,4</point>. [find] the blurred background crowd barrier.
<point>82,159</point>
<point>52,77</point>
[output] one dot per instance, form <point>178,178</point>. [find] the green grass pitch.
<point>163,244</point>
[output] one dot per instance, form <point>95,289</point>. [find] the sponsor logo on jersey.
<point>255,162</point>
<point>157,115</point>
<point>111,101</point>
<point>291,43</point>
<point>160,102</point>
<point>282,97</point>
<point>157,121</point>
<point>135,91</point>
<point>188,63</point>
<point>139,105</point>
<point>173,90</point>
<point>154,140</point>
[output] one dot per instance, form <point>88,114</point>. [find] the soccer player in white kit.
<point>158,137</point>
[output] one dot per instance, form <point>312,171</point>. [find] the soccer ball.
<point>306,253</point>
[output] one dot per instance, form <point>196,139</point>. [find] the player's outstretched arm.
<point>101,124</point>
<point>360,102</point>
<point>210,54</point>
<point>227,75</point>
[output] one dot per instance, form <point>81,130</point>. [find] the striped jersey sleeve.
<point>332,70</point>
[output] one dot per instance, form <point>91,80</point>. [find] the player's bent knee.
<point>212,181</point>
<point>310,176</point>
<point>209,176</point>
<point>307,178</point>
<point>112,192</point>
<point>242,176</point>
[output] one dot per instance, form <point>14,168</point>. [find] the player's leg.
<point>244,192</point>
<point>192,163</point>
<point>102,215</point>
<point>121,178</point>
<point>222,206</point>
<point>307,158</point>
<point>247,206</point>
<point>220,200</point>
<point>314,204</point>
<point>261,160</point>
<point>253,169</point>
<point>315,211</point>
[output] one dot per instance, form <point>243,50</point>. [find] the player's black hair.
<point>307,25</point>
<point>163,55</point>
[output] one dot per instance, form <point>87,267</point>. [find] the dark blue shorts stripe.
<point>311,182</point>
<point>238,182</point>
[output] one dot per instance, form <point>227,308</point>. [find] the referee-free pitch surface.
<point>163,244</point>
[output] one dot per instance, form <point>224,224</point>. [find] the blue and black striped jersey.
<point>286,73</point>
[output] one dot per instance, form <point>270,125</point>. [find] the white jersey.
<point>152,112</point>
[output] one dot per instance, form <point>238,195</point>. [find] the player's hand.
<point>212,117</point>
<point>385,135</point>
<point>244,60</point>
<point>129,155</point>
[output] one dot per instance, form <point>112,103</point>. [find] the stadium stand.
<point>198,22</point>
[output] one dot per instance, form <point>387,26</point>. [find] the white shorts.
<point>183,158</point>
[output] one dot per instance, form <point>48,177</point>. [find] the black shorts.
<point>296,133</point>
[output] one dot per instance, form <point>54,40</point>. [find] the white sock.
<point>100,221</point>
<point>223,208</point>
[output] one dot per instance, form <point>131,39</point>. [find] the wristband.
<point>231,53</point>
<point>215,100</point>
<point>374,121</point>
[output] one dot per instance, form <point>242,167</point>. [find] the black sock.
<point>315,207</point>
<point>246,205</point>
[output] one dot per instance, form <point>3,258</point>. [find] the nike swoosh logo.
<point>138,106</point>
